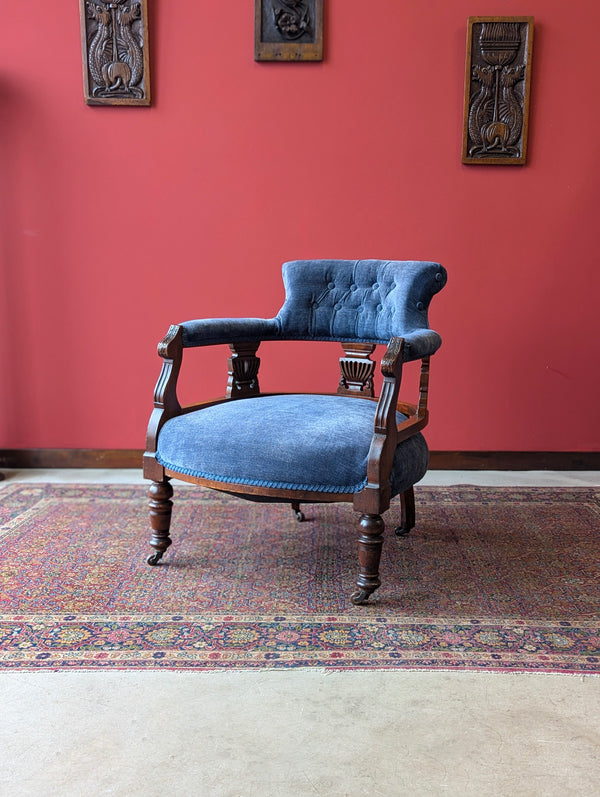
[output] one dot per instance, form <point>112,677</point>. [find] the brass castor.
<point>300,516</point>
<point>360,597</point>
<point>154,558</point>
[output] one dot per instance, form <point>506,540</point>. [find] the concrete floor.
<point>303,732</point>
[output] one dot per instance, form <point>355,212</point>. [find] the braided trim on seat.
<point>314,488</point>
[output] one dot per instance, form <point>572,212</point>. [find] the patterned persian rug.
<point>491,579</point>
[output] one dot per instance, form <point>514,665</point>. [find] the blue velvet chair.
<point>306,448</point>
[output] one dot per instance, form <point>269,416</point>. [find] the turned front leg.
<point>370,542</point>
<point>160,503</point>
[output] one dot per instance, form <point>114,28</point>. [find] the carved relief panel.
<point>114,43</point>
<point>497,88</point>
<point>288,30</point>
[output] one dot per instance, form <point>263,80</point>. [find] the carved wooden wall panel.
<point>497,88</point>
<point>114,43</point>
<point>288,30</point>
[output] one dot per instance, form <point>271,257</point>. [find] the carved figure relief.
<point>291,18</point>
<point>114,39</point>
<point>288,30</point>
<point>497,83</point>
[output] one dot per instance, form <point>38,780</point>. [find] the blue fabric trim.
<point>378,341</point>
<point>315,488</point>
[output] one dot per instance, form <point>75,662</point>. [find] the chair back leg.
<point>407,507</point>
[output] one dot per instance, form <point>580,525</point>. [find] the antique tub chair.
<point>298,447</point>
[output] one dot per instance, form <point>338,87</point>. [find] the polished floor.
<point>304,732</point>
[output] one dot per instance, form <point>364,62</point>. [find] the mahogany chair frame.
<point>356,380</point>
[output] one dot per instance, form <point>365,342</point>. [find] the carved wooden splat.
<point>114,44</point>
<point>497,89</point>
<point>243,370</point>
<point>357,370</point>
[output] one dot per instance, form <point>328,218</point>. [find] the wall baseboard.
<point>439,460</point>
<point>515,460</point>
<point>70,458</point>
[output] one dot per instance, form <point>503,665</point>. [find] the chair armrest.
<point>212,331</point>
<point>421,343</point>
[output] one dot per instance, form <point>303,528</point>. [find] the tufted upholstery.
<point>345,300</point>
<point>370,300</point>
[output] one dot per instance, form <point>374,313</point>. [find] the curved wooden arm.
<point>166,403</point>
<point>376,495</point>
<point>391,368</point>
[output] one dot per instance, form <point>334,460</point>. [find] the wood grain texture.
<point>497,90</point>
<point>115,52</point>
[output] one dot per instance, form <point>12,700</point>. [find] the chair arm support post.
<point>166,403</point>
<point>423,388</point>
<point>385,434</point>
<point>165,393</point>
<point>391,369</point>
<point>419,415</point>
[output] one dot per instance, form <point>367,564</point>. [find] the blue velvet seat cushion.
<point>297,442</point>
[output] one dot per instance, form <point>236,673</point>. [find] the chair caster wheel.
<point>401,531</point>
<point>154,558</point>
<point>300,516</point>
<point>360,597</point>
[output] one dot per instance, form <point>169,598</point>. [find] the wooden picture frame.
<point>288,30</point>
<point>115,53</point>
<point>497,90</point>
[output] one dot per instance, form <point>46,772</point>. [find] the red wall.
<point>116,222</point>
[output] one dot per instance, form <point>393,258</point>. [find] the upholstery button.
<point>379,308</point>
<point>375,286</point>
<point>331,285</point>
<point>420,306</point>
<point>353,287</point>
<point>439,277</point>
<point>360,309</point>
